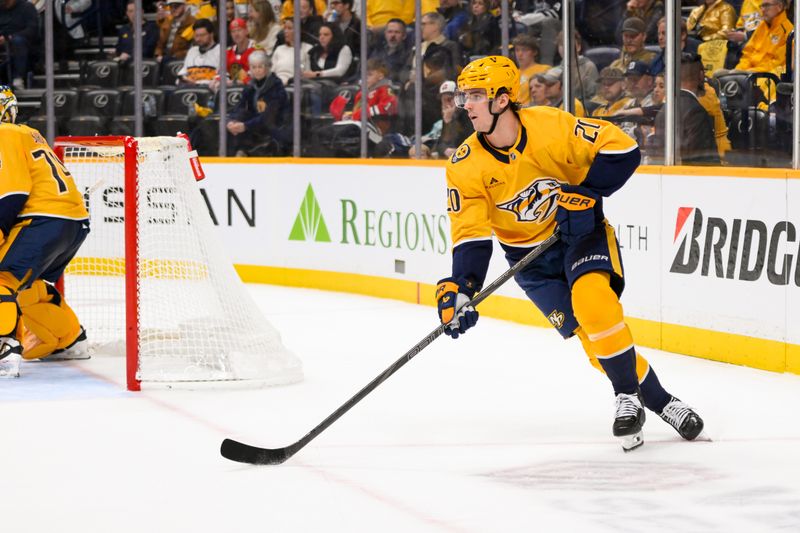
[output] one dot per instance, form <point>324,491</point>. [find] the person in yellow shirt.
<point>526,52</point>
<point>712,20</point>
<point>765,51</point>
<point>524,173</point>
<point>43,222</point>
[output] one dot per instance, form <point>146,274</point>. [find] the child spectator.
<point>381,99</point>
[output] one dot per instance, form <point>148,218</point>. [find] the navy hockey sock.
<point>654,395</point>
<point>621,370</point>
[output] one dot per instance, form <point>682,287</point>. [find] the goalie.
<point>43,222</point>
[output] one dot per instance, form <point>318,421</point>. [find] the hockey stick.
<point>244,453</point>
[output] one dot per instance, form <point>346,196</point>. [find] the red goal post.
<point>153,277</point>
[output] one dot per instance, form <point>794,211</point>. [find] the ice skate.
<point>679,415</point>
<point>628,421</point>
<point>79,349</point>
<point>10,357</point>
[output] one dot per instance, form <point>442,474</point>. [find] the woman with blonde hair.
<point>262,26</point>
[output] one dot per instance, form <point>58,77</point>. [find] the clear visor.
<point>473,96</point>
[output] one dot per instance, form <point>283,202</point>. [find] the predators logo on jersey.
<point>536,202</point>
<point>461,153</point>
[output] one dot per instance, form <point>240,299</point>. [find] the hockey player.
<point>523,173</point>
<point>43,222</point>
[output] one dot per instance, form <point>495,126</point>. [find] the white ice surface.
<point>507,429</point>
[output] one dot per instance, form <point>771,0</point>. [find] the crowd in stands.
<point>733,69</point>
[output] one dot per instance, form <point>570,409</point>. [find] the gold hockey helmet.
<point>491,73</point>
<point>8,105</point>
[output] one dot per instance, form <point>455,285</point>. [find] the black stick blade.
<point>244,453</point>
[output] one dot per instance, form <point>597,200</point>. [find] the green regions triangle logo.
<point>309,224</point>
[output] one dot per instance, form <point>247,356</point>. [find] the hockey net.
<point>153,277</point>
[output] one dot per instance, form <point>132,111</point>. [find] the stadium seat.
<point>101,73</point>
<point>149,74</point>
<point>179,107</point>
<point>182,100</point>
<point>153,106</point>
<point>65,104</point>
<point>169,72</point>
<point>232,97</point>
<point>98,107</point>
<point>602,56</point>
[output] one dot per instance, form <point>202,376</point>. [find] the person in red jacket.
<point>381,98</point>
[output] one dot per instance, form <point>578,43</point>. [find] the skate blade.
<point>631,442</point>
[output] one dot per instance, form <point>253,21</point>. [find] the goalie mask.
<point>8,105</point>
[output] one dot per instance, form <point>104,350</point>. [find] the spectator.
<point>349,24</point>
<point>433,39</point>
<point>537,91</point>
<point>612,92</point>
<point>19,36</point>
<point>436,69</point>
<point>633,49</point>
<point>237,55</point>
<point>175,31</point>
<point>749,17</point>
<point>456,125</point>
<point>283,56</point>
<point>393,50</point>
<point>381,99</point>
<point>695,126</point>
<point>481,35</point>
<point>650,12</point>
<point>330,58</point>
<point>262,25</point>
<point>765,51</point>
<point>455,18</point>
<point>329,61</point>
<point>310,21</point>
<point>710,102</point>
<point>202,60</point>
<point>316,9</point>
<point>585,73</point>
<point>552,80</point>
<point>202,9</point>
<point>659,62</point>
<point>526,52</point>
<point>711,21</point>
<point>69,27</point>
<point>639,85</point>
<point>259,122</point>
<point>543,19</point>
<point>124,50</point>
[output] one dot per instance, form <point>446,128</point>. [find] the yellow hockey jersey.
<point>511,193</point>
<point>33,181</point>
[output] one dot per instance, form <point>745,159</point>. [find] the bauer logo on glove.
<point>452,295</point>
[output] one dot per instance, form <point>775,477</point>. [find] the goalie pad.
<point>49,322</point>
<point>9,312</point>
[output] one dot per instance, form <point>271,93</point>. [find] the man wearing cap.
<point>639,86</point>
<point>633,35</point>
<point>124,50</point>
<point>239,52</point>
<point>175,32</point>
<point>612,91</point>
<point>552,79</point>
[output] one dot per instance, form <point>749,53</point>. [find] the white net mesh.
<point>197,322</point>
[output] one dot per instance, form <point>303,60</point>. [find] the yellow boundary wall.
<point>725,347</point>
